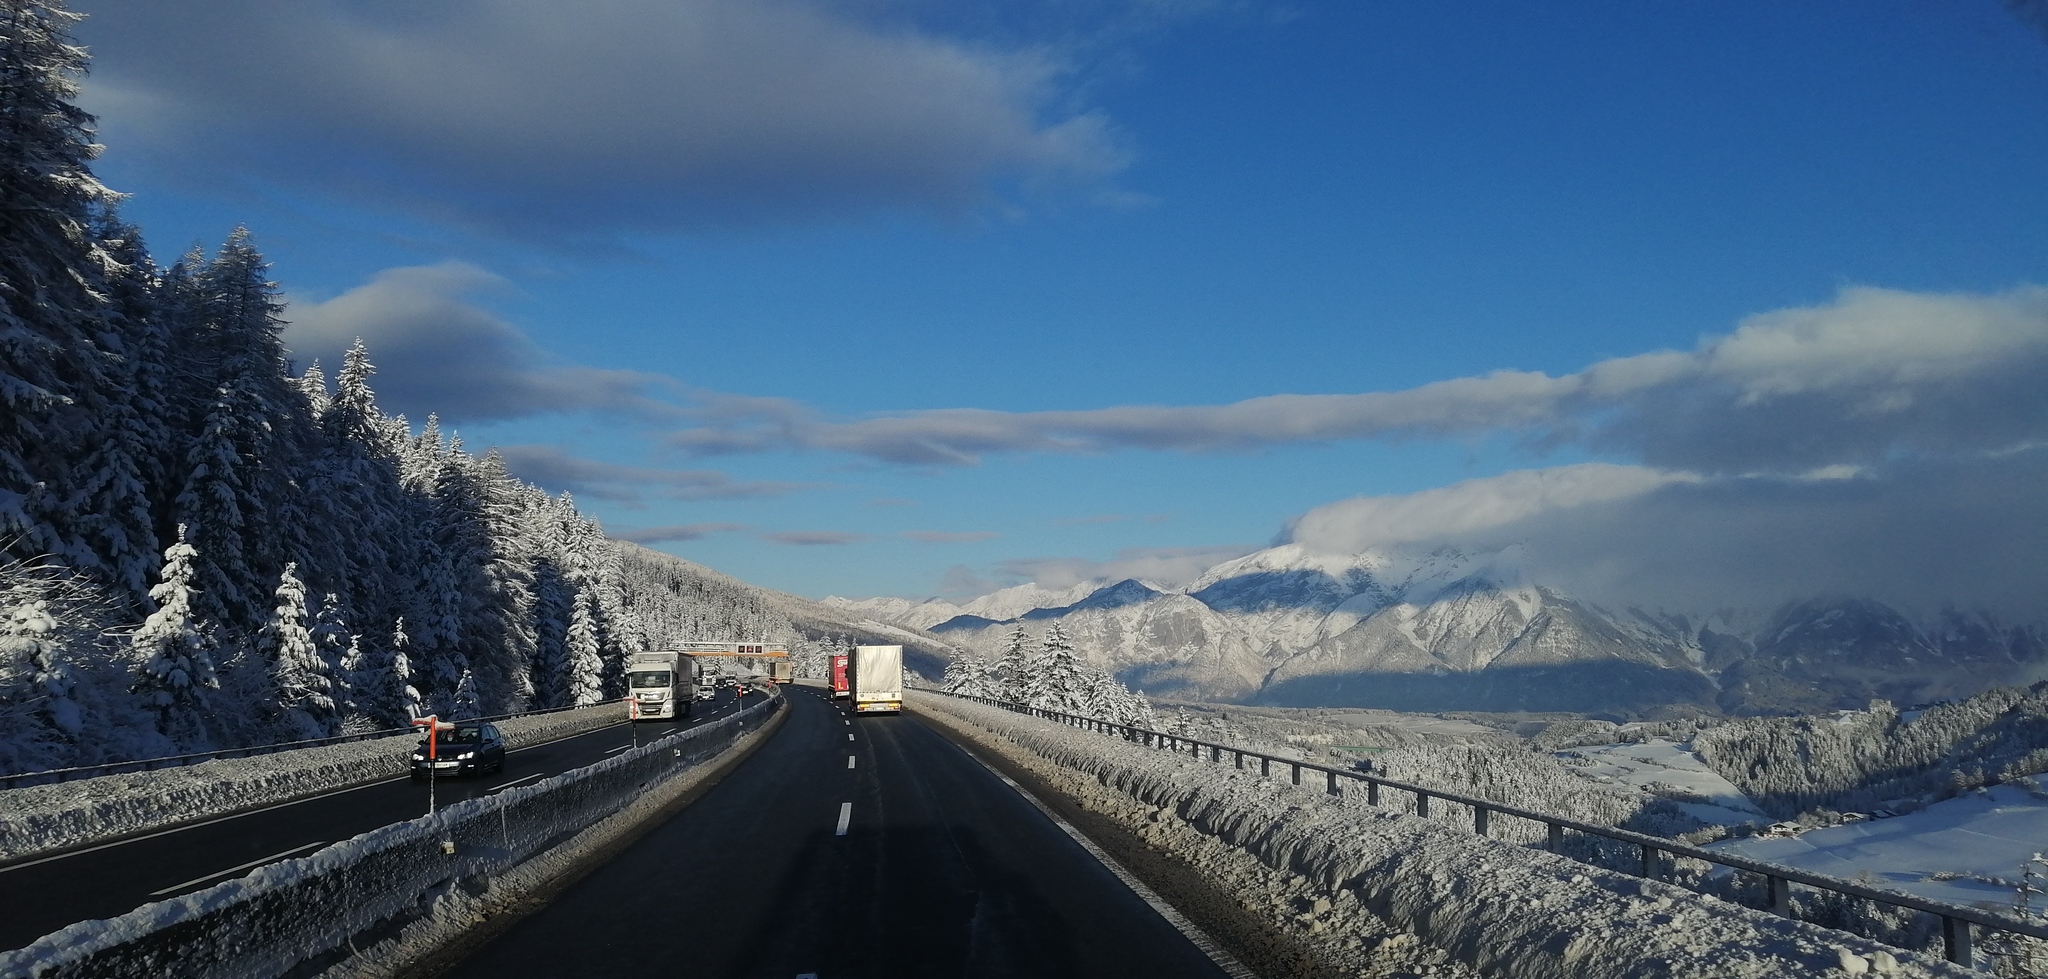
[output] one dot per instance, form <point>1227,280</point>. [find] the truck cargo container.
<point>877,675</point>
<point>663,685</point>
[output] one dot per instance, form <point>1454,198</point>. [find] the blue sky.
<point>594,238</point>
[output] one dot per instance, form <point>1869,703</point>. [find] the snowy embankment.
<point>1500,908</point>
<point>418,882</point>
<point>43,818</point>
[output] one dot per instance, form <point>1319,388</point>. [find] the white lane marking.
<point>230,870</point>
<point>846,722</point>
<point>1188,929</point>
<point>614,751</point>
<point>845,816</point>
<point>516,781</point>
<point>849,761</point>
<point>849,736</point>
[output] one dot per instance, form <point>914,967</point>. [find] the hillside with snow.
<point>1448,629</point>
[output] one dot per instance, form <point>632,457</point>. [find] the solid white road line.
<point>845,816</point>
<point>1188,929</point>
<point>614,751</point>
<point>516,781</point>
<point>230,870</point>
<point>849,761</point>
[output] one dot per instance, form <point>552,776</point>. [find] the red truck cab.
<point>839,685</point>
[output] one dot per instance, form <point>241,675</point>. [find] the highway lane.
<point>43,895</point>
<point>892,854</point>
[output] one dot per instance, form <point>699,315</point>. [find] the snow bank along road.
<point>42,895</point>
<point>1500,908</point>
<point>849,847</point>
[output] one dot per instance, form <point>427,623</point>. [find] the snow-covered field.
<point>1671,770</point>
<point>1968,850</point>
<point>40,818</point>
<point>1500,908</point>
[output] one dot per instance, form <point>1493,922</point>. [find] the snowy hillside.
<point>1446,629</point>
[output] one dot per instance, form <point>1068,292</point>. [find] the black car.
<point>460,750</point>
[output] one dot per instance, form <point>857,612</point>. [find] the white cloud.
<point>1920,533</point>
<point>563,119</point>
<point>677,532</point>
<point>561,472</point>
<point>436,351</point>
<point>1870,374</point>
<point>1452,512</point>
<point>1165,565</point>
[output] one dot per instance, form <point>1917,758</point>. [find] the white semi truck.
<point>663,685</point>
<point>876,673</point>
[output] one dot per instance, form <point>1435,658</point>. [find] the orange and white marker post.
<point>434,725</point>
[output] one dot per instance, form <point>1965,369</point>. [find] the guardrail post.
<point>1372,793</point>
<point>1556,838</point>
<point>1779,891</point>
<point>1334,790</point>
<point>1265,766</point>
<point>1198,750</point>
<point>1215,754</point>
<point>1240,760</point>
<point>1955,941</point>
<point>1422,804</point>
<point>1479,819</point>
<point>1297,773</point>
<point>1649,861</point>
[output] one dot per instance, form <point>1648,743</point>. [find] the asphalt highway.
<point>848,847</point>
<point>43,895</point>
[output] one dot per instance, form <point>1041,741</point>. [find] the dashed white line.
<point>612,751</point>
<point>230,870</point>
<point>845,816</point>
<point>849,736</point>
<point>849,761</point>
<point>516,781</point>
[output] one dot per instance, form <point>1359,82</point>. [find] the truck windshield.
<point>651,678</point>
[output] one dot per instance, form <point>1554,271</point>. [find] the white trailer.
<point>876,673</point>
<point>662,684</point>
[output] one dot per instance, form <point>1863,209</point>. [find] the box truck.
<point>838,675</point>
<point>877,675</point>
<point>663,684</point>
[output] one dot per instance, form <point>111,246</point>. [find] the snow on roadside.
<point>1967,850</point>
<point>1666,768</point>
<point>41,818</point>
<point>1500,908</point>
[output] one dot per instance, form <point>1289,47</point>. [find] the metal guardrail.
<point>1956,921</point>
<point>52,775</point>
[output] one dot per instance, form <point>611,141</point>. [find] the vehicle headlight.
<point>419,756</point>
<point>465,755</point>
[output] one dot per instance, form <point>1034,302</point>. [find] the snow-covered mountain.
<point>1449,629</point>
<point>996,606</point>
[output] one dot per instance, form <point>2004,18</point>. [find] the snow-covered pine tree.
<point>330,631</point>
<point>173,652</point>
<point>465,704</point>
<point>1053,680</point>
<point>313,385</point>
<point>122,470</point>
<point>57,380</point>
<point>304,678</point>
<point>400,701</point>
<point>1009,675</point>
